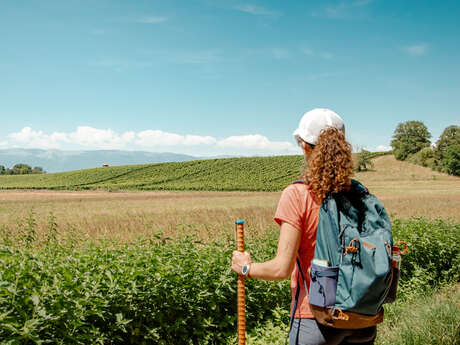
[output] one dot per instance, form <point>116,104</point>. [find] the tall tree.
<point>452,160</point>
<point>450,136</point>
<point>446,152</point>
<point>409,138</point>
<point>21,169</point>
<point>38,170</point>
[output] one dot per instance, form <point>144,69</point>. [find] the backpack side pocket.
<point>323,285</point>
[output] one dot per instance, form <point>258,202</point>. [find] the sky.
<point>231,77</point>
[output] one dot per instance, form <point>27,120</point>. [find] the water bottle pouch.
<point>323,285</point>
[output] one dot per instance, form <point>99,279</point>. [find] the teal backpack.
<point>351,272</point>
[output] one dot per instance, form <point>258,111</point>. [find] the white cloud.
<point>151,20</point>
<point>86,137</point>
<point>199,140</point>
<point>383,148</point>
<point>255,10</point>
<point>99,138</point>
<point>257,142</point>
<point>152,138</point>
<point>416,49</point>
<point>30,138</point>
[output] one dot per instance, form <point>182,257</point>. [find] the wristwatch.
<point>245,270</point>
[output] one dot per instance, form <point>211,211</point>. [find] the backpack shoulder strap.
<point>358,187</point>
<point>299,181</point>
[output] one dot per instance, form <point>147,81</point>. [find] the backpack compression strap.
<point>297,292</point>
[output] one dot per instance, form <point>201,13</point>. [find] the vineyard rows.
<point>229,174</point>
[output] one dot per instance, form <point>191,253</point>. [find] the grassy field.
<point>67,289</point>
<point>410,190</point>
<point>406,191</point>
<point>432,319</point>
<point>59,285</point>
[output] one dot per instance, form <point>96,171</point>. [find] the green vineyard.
<point>228,174</point>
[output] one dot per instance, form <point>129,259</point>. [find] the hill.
<point>251,174</point>
<point>232,174</point>
<point>59,161</point>
<point>391,176</point>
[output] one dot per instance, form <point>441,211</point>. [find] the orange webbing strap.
<point>406,246</point>
<point>240,287</point>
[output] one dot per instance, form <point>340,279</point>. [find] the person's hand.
<point>239,260</point>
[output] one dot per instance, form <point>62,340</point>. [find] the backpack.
<point>351,272</point>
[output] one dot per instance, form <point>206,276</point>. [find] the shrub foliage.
<point>167,291</point>
<point>410,142</point>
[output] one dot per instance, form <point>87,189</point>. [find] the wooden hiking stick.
<point>240,286</point>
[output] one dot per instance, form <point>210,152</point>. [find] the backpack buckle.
<point>338,314</point>
<point>351,248</point>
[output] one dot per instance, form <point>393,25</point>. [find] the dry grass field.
<point>125,215</point>
<point>409,190</point>
<point>406,190</point>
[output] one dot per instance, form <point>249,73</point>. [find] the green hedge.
<point>169,291</point>
<point>163,291</point>
<point>433,257</point>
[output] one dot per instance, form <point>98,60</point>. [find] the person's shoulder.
<point>300,190</point>
<point>298,187</point>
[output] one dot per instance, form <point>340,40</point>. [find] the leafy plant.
<point>424,157</point>
<point>52,230</point>
<point>158,290</point>
<point>30,233</point>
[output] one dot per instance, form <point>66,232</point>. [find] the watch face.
<point>245,269</point>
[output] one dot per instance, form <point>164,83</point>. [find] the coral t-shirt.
<point>298,208</point>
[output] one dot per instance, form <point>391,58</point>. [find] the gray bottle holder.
<point>323,285</point>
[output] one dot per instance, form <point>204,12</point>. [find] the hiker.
<point>321,136</point>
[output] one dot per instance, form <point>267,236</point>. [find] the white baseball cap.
<point>314,121</point>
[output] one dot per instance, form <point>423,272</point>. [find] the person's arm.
<point>278,268</point>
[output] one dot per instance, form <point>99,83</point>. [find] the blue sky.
<point>222,77</point>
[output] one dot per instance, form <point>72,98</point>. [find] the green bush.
<point>433,257</point>
<point>157,292</point>
<point>363,161</point>
<point>424,157</point>
<point>451,160</point>
<point>169,291</point>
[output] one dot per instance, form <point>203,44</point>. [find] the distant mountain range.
<point>57,161</point>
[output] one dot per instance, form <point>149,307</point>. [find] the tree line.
<point>411,142</point>
<point>21,169</point>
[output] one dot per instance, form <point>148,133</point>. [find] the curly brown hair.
<point>330,164</point>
